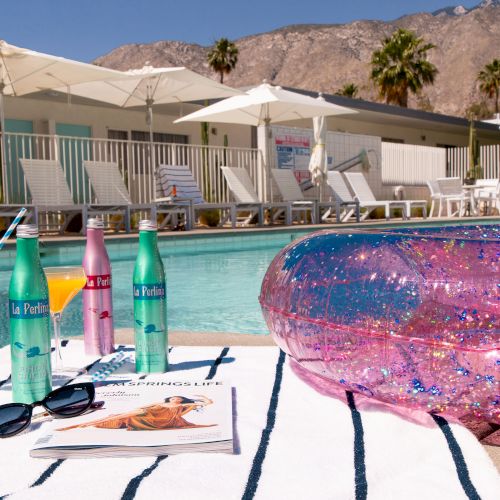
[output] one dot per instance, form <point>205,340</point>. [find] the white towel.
<point>293,440</point>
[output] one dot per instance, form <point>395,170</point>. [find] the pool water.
<point>213,283</point>
<point>209,292</point>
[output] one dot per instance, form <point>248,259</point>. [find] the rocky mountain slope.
<point>325,57</point>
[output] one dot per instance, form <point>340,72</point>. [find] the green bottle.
<point>29,321</point>
<point>150,303</point>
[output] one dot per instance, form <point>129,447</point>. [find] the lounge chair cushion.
<point>168,176</point>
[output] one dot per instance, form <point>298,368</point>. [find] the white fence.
<point>458,162</point>
<point>135,159</point>
<point>410,165</point>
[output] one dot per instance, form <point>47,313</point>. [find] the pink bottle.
<point>97,298</point>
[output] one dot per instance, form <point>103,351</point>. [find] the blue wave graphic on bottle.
<point>150,313</point>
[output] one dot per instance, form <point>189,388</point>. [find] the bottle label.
<point>149,292</point>
<point>28,309</point>
<point>98,282</point>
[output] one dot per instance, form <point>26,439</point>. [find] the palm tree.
<point>489,80</point>
<point>223,57</point>
<point>401,66</point>
<point>348,90</point>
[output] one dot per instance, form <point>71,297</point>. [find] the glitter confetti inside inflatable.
<point>408,316</point>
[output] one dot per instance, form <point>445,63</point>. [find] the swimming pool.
<point>213,281</point>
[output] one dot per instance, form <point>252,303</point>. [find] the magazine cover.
<point>146,417</point>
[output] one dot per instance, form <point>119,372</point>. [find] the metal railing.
<point>458,162</point>
<point>136,160</point>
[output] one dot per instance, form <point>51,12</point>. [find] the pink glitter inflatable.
<point>409,317</point>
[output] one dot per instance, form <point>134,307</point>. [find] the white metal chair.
<point>50,195</point>
<point>175,184</point>
<point>246,198</point>
<point>110,190</point>
<point>290,191</point>
<point>345,204</point>
<point>451,192</point>
<point>487,192</point>
<point>435,194</point>
<point>366,198</point>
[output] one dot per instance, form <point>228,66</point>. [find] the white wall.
<point>45,113</point>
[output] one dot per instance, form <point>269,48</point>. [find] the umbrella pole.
<point>268,149</point>
<point>2,145</point>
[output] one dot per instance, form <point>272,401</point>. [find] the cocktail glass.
<point>64,284</point>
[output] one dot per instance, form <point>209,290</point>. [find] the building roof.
<point>376,112</point>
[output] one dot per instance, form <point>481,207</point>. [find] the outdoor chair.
<point>51,200</point>
<point>175,184</point>
<point>290,191</point>
<point>366,198</point>
<point>451,192</point>
<point>487,192</point>
<point>436,196</point>
<point>246,198</point>
<point>110,190</point>
<point>345,204</point>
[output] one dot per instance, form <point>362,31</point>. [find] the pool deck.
<point>126,336</point>
<point>227,231</point>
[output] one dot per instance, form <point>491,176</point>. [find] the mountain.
<point>324,57</point>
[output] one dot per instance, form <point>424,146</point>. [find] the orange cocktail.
<point>64,283</point>
<point>62,288</point>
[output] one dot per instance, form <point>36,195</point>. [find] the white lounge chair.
<point>345,204</point>
<point>50,195</point>
<point>110,190</point>
<point>175,184</point>
<point>365,195</point>
<point>246,198</point>
<point>451,192</point>
<point>290,191</point>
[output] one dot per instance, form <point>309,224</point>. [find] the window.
<point>163,154</point>
<point>390,139</point>
<point>139,135</point>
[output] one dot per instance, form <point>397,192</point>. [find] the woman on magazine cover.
<point>158,416</point>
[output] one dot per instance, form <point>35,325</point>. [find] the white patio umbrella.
<point>24,71</point>
<point>264,105</point>
<point>318,163</point>
<point>149,86</point>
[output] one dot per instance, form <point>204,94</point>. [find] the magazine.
<point>146,417</point>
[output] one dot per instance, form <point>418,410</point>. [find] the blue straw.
<point>9,231</point>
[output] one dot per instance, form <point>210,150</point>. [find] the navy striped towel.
<point>292,441</point>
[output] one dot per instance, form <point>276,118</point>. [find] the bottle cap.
<point>95,223</point>
<point>27,231</point>
<point>148,225</point>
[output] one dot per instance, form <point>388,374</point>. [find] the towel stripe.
<point>217,362</point>
<point>256,471</point>
<point>135,482</point>
<point>2,382</point>
<point>361,485</point>
<point>133,485</point>
<point>47,473</point>
<point>52,468</point>
<point>458,458</point>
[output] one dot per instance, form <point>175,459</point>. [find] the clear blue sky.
<point>86,29</point>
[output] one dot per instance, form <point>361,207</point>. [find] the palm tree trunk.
<point>496,101</point>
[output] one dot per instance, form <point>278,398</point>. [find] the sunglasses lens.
<point>13,418</point>
<point>70,400</point>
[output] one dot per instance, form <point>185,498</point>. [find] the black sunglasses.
<point>64,402</point>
